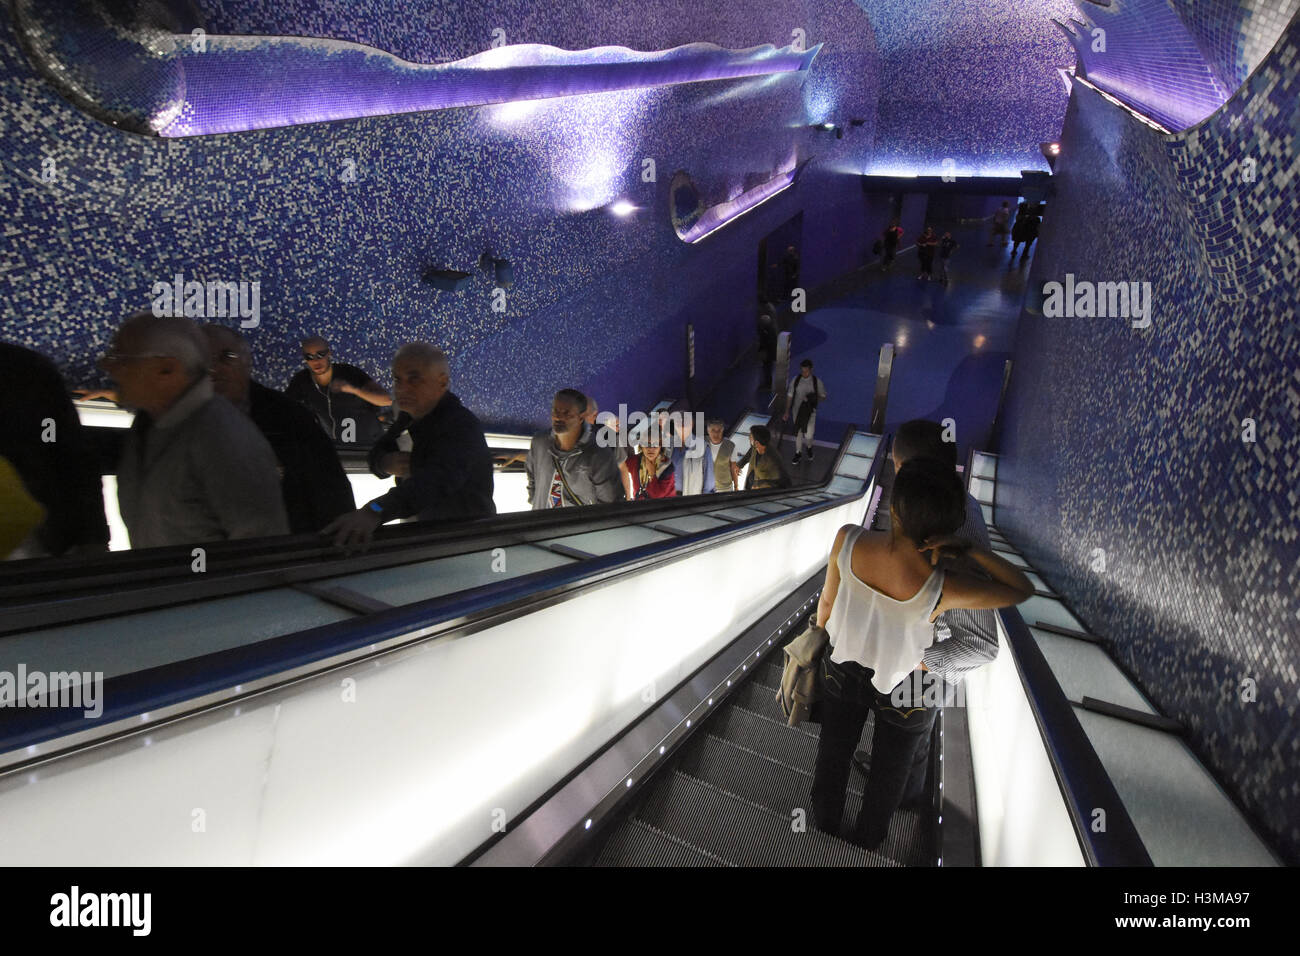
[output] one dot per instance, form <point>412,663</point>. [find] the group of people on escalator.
<point>212,454</point>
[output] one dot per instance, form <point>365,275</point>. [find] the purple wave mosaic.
<point>183,85</point>
<point>1132,440</point>
<point>950,87</point>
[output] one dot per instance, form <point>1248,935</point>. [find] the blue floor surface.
<point>951,344</point>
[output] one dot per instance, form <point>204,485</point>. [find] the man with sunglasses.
<point>193,468</point>
<point>312,481</point>
<point>339,393</point>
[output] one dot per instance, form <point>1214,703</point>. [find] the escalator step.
<point>636,843</point>
<point>697,813</point>
<point>792,746</point>
<point>756,777</point>
<point>910,838</point>
<point>770,671</point>
<point>760,698</point>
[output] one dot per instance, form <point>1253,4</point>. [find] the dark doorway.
<point>778,271</point>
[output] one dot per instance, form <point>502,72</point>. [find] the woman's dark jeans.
<point>847,699</point>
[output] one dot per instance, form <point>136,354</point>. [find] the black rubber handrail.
<point>1085,784</point>
<point>1081,776</point>
<point>30,581</point>
<point>171,684</point>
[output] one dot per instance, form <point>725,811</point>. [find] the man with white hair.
<point>447,473</point>
<point>193,467</point>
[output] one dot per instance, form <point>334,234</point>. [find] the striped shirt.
<point>964,639</point>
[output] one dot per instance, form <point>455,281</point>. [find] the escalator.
<point>590,686</point>
<point>739,792</point>
<point>411,704</point>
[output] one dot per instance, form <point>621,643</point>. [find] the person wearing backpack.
<point>805,393</point>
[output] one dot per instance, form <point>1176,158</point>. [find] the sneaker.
<point>795,459</point>
<point>862,762</point>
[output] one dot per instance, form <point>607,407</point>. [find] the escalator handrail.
<point>144,567</point>
<point>173,684</point>
<point>1082,777</point>
<point>1084,783</point>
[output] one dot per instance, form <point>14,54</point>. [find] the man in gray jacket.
<point>563,470</point>
<point>193,468</point>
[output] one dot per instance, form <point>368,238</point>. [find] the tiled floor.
<point>951,343</point>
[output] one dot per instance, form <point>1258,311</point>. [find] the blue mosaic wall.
<point>1131,440</point>
<point>1177,61</point>
<point>1235,35</point>
<point>949,89</point>
<point>599,302</point>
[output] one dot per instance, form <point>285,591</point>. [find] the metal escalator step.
<point>760,698</point>
<point>770,671</point>
<point>703,815</point>
<point>792,746</point>
<point>636,843</point>
<point>755,777</point>
<point>910,837</point>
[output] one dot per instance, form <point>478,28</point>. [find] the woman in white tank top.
<point>883,591</point>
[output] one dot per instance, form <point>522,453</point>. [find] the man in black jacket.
<point>447,473</point>
<point>338,394</point>
<point>312,481</point>
<point>41,436</point>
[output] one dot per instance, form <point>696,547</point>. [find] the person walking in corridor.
<point>926,244</point>
<point>804,394</point>
<point>947,245</point>
<point>1000,219</point>
<point>892,237</point>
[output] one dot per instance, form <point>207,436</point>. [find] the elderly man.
<point>563,470</point>
<point>315,489</point>
<point>193,468</point>
<point>446,475</point>
<point>338,393</point>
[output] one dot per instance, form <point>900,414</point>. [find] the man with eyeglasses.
<point>312,481</point>
<point>339,393</point>
<point>193,467</point>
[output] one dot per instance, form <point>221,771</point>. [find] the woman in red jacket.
<point>650,472</point>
